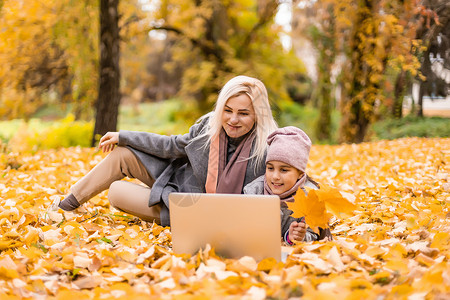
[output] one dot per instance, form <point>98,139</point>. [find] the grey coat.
<point>178,163</point>
<point>257,187</point>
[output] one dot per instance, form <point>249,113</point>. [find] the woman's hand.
<point>297,231</point>
<point>109,141</point>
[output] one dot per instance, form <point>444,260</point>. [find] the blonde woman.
<point>223,151</point>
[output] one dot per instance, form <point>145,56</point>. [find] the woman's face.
<point>238,116</point>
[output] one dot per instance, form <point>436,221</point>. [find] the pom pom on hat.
<point>290,145</point>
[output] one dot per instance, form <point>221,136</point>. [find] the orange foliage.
<point>396,245</point>
<point>314,206</point>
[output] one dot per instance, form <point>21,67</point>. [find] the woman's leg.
<point>119,163</point>
<point>133,199</point>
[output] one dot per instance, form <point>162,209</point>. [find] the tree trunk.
<point>354,123</point>
<point>360,93</point>
<point>425,69</point>
<point>399,92</point>
<point>107,105</point>
<point>323,126</point>
<point>324,40</point>
<point>419,111</point>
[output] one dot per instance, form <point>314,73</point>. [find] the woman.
<point>223,151</point>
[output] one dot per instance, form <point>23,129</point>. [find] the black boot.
<point>69,203</point>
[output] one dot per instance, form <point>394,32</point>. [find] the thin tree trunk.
<point>399,92</point>
<point>419,111</point>
<point>425,69</point>
<point>323,126</point>
<point>325,42</point>
<point>107,105</point>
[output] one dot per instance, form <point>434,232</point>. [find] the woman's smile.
<point>238,116</point>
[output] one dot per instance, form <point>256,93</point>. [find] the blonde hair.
<point>264,122</point>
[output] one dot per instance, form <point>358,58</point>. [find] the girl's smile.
<point>281,177</point>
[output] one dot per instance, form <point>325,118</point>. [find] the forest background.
<point>73,70</point>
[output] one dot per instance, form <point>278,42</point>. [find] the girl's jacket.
<point>257,187</point>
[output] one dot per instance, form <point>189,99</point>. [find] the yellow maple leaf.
<point>267,264</point>
<point>314,206</point>
<point>441,240</point>
<point>8,273</point>
<point>311,208</point>
<point>334,201</point>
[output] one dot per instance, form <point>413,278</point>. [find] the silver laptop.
<point>234,225</point>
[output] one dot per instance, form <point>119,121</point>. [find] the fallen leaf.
<point>311,208</point>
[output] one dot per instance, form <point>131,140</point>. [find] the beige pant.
<point>126,196</point>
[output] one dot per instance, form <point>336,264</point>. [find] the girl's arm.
<point>287,220</point>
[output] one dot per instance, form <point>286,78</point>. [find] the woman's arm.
<point>160,145</point>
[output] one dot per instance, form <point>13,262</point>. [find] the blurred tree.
<point>76,32</point>
<point>31,62</point>
<point>378,39</point>
<point>107,105</point>
<point>401,82</point>
<point>49,52</point>
<point>371,37</point>
<point>215,40</point>
<point>318,25</point>
<point>46,56</point>
<point>434,31</point>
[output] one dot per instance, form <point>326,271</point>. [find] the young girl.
<point>287,156</point>
<point>222,153</point>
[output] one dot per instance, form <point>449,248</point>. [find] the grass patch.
<point>175,117</point>
<point>10,128</point>
<point>164,117</point>
<point>305,117</point>
<point>37,134</point>
<point>410,126</point>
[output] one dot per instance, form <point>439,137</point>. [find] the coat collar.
<point>198,153</point>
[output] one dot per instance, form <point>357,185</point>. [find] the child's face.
<point>281,177</point>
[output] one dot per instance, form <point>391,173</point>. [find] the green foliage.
<point>365,39</point>
<point>217,40</point>
<point>10,128</point>
<point>412,126</point>
<point>49,52</point>
<point>166,117</point>
<point>36,135</point>
<point>171,117</point>
<point>305,117</point>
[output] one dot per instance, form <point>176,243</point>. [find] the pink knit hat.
<point>289,145</point>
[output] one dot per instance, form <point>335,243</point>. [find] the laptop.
<point>234,225</point>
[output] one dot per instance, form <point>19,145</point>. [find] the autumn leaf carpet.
<point>395,246</point>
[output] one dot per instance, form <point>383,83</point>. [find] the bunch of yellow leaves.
<point>317,205</point>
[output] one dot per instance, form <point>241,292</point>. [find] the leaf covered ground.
<point>396,246</point>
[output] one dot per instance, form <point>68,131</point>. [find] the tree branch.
<point>197,43</point>
<point>266,15</point>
